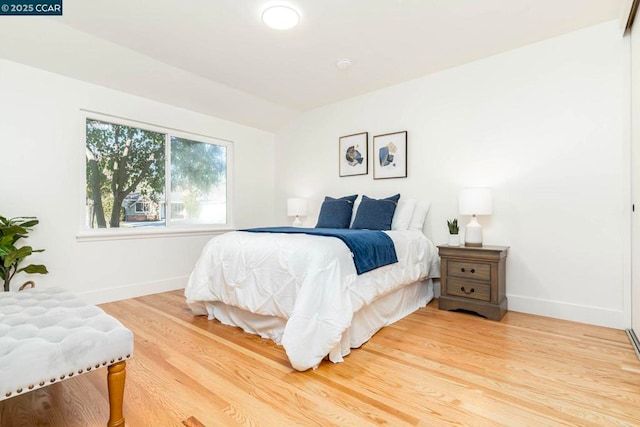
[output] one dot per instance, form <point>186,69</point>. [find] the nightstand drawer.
<point>468,289</point>
<point>469,270</point>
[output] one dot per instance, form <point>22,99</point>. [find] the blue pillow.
<point>376,214</point>
<point>336,213</point>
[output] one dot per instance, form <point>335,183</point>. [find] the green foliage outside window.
<point>126,166</point>
<point>121,160</point>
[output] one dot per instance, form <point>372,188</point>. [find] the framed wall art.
<point>390,155</point>
<point>354,154</point>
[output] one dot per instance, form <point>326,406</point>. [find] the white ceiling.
<point>220,59</point>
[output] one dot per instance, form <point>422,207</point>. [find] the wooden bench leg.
<point>115,381</point>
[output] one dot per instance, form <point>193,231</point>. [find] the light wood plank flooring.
<point>431,368</point>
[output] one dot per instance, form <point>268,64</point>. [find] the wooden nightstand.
<point>473,279</point>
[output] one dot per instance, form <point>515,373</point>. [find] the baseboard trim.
<point>634,341</point>
<point>560,310</point>
<point>102,296</point>
<point>574,312</point>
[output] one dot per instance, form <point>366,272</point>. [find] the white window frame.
<point>145,205</point>
<point>96,234</point>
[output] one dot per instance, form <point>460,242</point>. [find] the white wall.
<point>50,44</point>
<point>542,125</point>
<point>42,174</point>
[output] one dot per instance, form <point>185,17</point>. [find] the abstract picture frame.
<point>353,151</point>
<point>390,155</point>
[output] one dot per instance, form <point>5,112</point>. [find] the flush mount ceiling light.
<point>343,63</point>
<point>280,17</point>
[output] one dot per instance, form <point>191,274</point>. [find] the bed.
<point>303,291</point>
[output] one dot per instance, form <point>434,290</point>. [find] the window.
<point>147,176</point>
<point>177,210</point>
<point>198,182</point>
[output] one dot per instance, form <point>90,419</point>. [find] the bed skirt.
<point>366,322</point>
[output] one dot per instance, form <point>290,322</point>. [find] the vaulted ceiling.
<point>217,57</point>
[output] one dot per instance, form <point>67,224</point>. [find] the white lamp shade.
<point>296,207</point>
<point>475,201</point>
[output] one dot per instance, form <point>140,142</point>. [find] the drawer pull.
<point>462,269</point>
<point>465,291</point>
<point>473,270</point>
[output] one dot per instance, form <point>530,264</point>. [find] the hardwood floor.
<point>431,368</point>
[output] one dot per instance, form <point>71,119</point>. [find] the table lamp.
<point>474,201</point>
<point>297,207</point>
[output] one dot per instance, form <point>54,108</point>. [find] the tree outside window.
<point>127,184</point>
<point>198,181</point>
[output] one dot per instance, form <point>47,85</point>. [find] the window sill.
<point>128,234</point>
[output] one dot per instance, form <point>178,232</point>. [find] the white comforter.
<point>309,280</point>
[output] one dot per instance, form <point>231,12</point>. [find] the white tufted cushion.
<point>47,335</point>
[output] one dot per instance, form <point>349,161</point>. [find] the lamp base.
<point>473,233</point>
<point>297,222</point>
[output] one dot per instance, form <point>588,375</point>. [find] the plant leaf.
<point>4,251</point>
<point>30,224</point>
<point>6,241</point>
<point>16,256</point>
<point>34,269</point>
<point>12,230</point>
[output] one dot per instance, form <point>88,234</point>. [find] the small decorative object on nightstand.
<point>474,279</point>
<point>454,237</point>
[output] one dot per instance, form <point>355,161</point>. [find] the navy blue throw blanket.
<point>370,248</point>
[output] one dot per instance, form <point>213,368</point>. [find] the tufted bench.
<point>49,335</point>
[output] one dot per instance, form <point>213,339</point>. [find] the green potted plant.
<point>454,237</point>
<point>11,256</point>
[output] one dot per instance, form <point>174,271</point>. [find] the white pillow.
<point>419,215</point>
<point>356,205</point>
<point>403,214</point>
